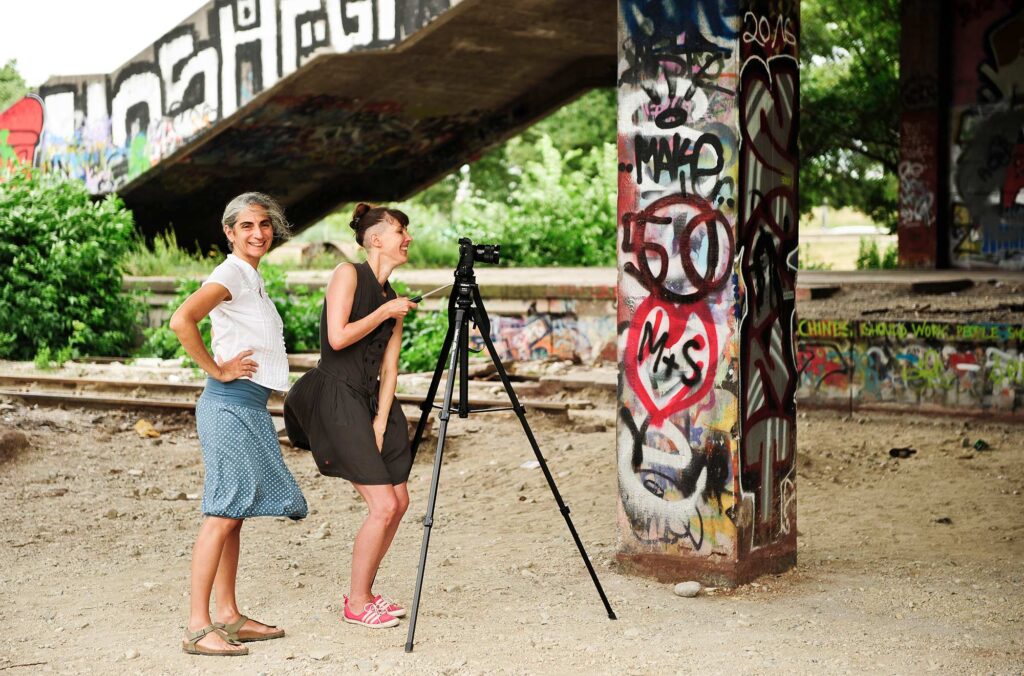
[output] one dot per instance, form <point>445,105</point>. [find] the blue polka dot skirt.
<point>245,473</point>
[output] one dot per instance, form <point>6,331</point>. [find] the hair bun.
<point>358,213</point>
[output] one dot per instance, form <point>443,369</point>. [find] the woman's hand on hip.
<point>397,308</point>
<point>240,366</point>
<point>380,424</point>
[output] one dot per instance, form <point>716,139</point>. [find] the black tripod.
<point>465,305</point>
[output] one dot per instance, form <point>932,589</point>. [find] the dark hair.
<point>365,217</point>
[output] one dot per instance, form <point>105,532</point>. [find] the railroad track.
<point>53,390</point>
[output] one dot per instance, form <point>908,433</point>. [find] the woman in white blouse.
<point>245,473</point>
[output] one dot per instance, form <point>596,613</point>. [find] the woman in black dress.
<point>344,410</point>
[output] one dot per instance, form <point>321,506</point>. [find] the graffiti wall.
<point>987,183</point>
<point>105,130</point>
<point>678,174</point>
<point>583,339</point>
<point>21,126</point>
<point>912,364</point>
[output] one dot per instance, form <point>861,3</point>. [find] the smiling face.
<point>252,234</point>
<point>392,240</point>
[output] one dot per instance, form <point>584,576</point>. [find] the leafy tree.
<point>560,212</point>
<point>850,106</point>
<point>12,86</point>
<point>61,262</point>
<point>586,123</point>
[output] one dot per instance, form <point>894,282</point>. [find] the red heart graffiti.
<point>23,123</point>
<point>681,327</point>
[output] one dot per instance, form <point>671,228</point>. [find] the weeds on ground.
<point>870,258</point>
<point>165,257</point>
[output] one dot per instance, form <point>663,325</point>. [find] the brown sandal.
<point>192,647</point>
<point>232,631</point>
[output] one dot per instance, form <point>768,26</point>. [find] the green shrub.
<point>300,309</point>
<point>61,262</point>
<point>561,211</point>
<point>165,257</point>
<point>869,257</point>
<point>422,335</point>
<point>161,341</point>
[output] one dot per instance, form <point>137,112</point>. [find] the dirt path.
<point>99,525</point>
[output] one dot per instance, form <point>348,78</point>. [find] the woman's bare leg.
<point>206,555</point>
<point>402,495</point>
<point>224,586</point>
<point>370,542</point>
<point>227,573</point>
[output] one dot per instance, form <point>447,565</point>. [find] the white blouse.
<point>249,321</point>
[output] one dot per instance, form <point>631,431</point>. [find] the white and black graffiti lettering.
<point>106,131</point>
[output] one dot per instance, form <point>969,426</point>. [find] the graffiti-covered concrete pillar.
<point>923,158</point>
<point>707,137</point>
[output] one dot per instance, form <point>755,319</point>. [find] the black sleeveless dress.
<point>330,410</point>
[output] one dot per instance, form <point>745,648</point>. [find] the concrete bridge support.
<point>707,137</point>
<point>961,142</point>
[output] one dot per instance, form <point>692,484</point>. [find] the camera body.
<point>469,253</point>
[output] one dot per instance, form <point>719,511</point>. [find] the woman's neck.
<point>254,262</point>
<point>380,266</point>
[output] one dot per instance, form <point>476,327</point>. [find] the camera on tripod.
<point>469,253</point>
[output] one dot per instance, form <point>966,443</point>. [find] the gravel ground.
<point>905,566</point>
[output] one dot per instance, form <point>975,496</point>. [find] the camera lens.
<point>487,253</point>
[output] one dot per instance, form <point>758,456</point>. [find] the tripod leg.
<point>521,414</point>
<point>459,324</point>
<point>428,401</point>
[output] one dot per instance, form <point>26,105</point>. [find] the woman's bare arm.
<point>185,324</point>
<point>388,383</point>
<point>341,291</point>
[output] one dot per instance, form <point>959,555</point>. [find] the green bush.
<point>161,341</point>
<point>422,335</point>
<point>869,257</point>
<point>561,210</point>
<point>300,309</point>
<point>61,262</point>
<point>298,306</point>
<point>165,257</point>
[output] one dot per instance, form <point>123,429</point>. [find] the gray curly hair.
<point>282,229</point>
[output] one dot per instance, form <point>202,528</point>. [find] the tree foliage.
<point>547,195</point>
<point>61,262</point>
<point>12,85</point>
<point>850,106</point>
<point>559,210</point>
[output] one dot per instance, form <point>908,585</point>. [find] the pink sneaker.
<point>372,616</point>
<point>388,606</point>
